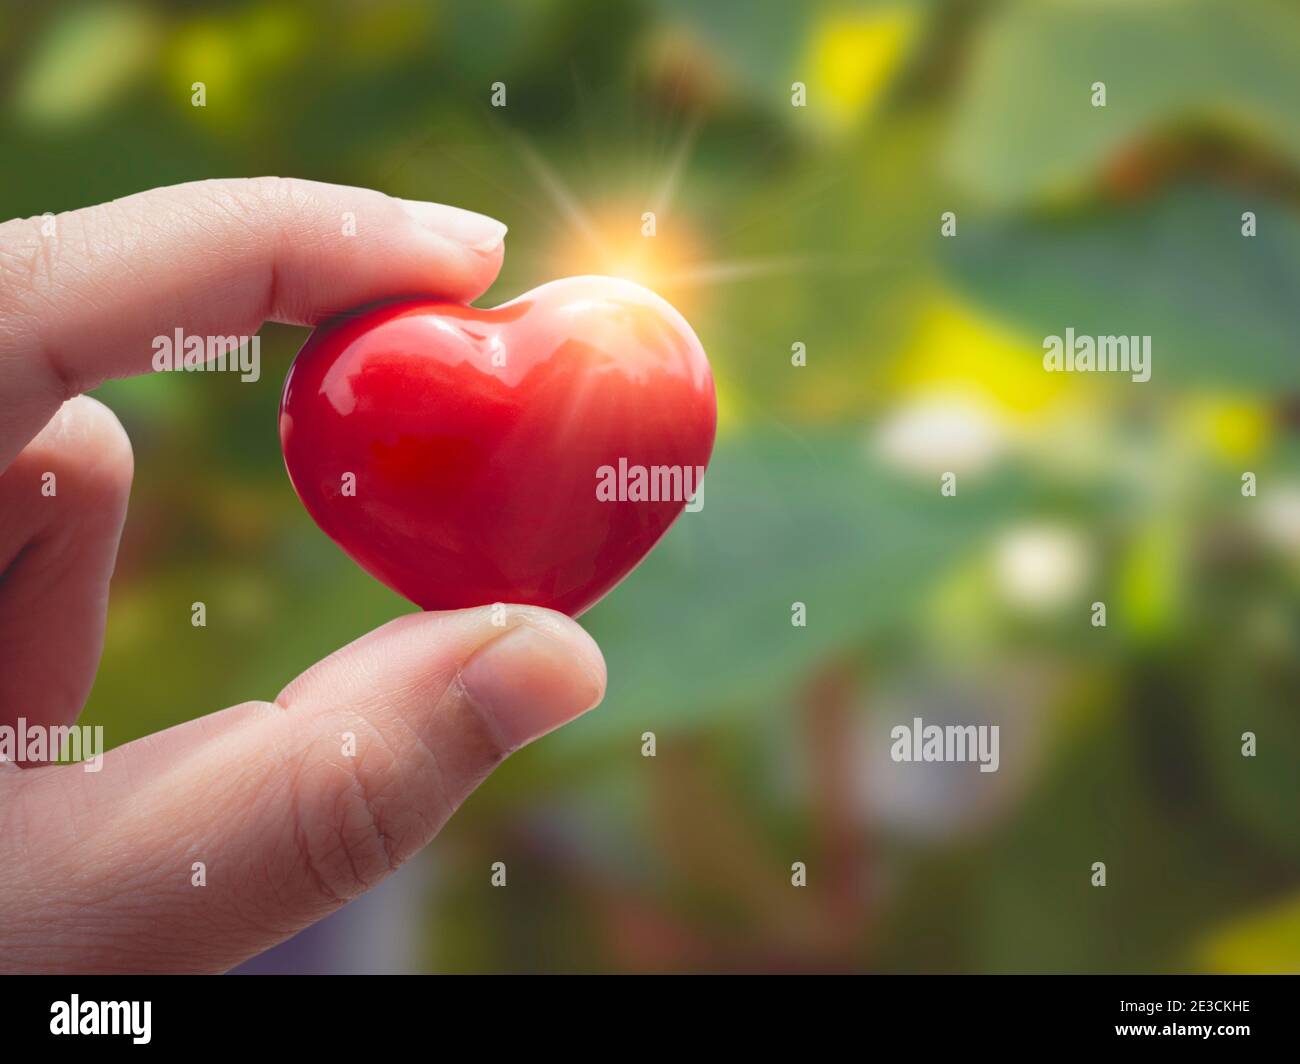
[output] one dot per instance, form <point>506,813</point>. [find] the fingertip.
<point>85,441</point>
<point>474,231</point>
<point>459,252</point>
<point>541,673</point>
<point>448,268</point>
<point>566,630</point>
<point>525,671</point>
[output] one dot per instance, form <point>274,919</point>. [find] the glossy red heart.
<point>529,453</point>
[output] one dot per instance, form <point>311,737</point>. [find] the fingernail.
<point>529,682</point>
<point>477,232</point>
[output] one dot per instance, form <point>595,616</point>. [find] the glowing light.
<point>617,248</point>
<point>667,253</point>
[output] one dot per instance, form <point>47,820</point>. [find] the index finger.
<point>84,294</point>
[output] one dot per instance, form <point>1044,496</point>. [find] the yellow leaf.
<point>207,50</point>
<point>957,351</point>
<point>1266,942</point>
<point>853,58</point>
<point>90,56</point>
<point>1231,428</point>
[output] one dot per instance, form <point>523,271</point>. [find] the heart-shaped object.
<point>530,453</point>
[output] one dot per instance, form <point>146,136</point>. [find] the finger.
<point>62,504</point>
<point>289,816</point>
<point>82,299</point>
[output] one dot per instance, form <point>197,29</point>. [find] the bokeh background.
<point>779,225</point>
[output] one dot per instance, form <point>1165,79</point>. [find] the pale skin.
<point>96,869</point>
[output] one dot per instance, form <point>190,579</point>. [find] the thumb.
<point>290,808</point>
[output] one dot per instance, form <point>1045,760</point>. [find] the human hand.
<point>95,868</point>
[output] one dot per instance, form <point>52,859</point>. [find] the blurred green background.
<point>779,225</point>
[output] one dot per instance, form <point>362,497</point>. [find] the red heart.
<point>466,456</point>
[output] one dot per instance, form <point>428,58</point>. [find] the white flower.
<point>1038,567</point>
<point>1278,517</point>
<point>941,434</point>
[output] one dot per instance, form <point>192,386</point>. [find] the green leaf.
<point>764,55</point>
<point>1220,307</point>
<point>704,624</point>
<point>1026,124</point>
